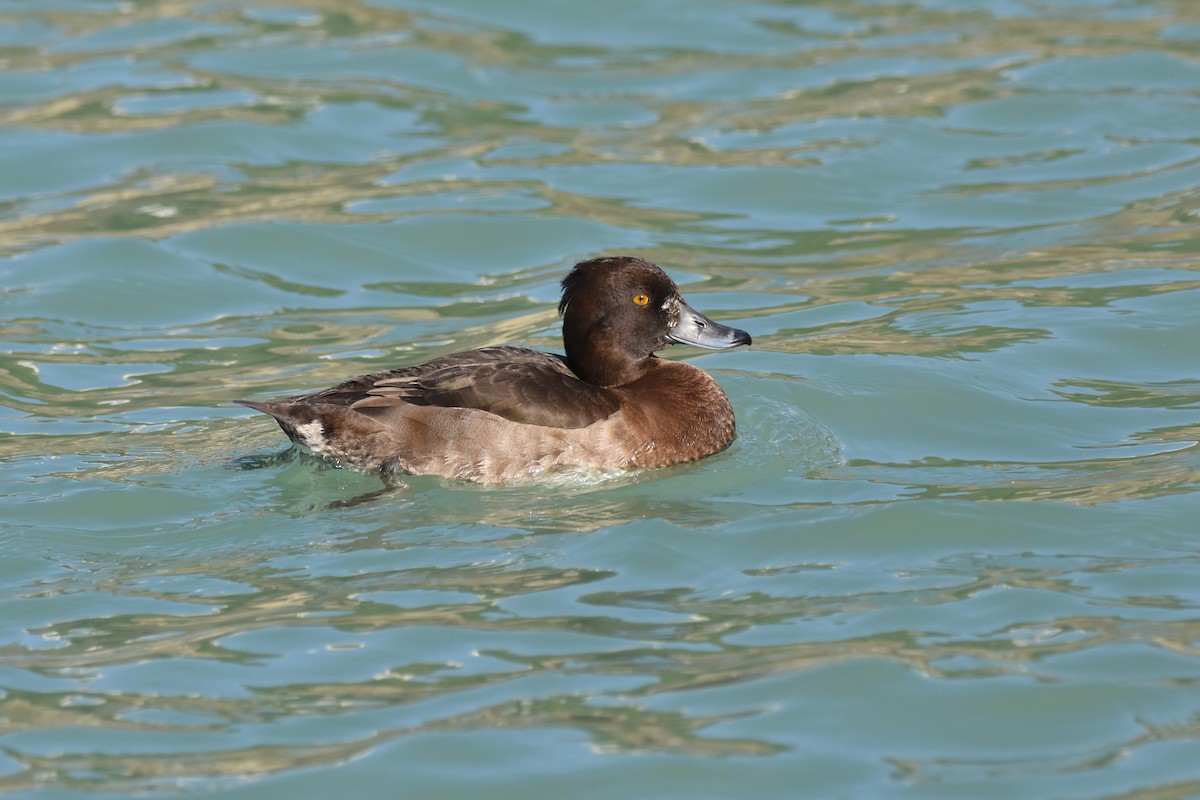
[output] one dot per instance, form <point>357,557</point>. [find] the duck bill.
<point>696,329</point>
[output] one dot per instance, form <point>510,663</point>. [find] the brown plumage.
<point>499,414</point>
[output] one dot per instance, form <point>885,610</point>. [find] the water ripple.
<point>952,550</point>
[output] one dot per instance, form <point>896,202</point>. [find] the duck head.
<point>619,311</point>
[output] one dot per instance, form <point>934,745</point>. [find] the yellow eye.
<point>641,298</point>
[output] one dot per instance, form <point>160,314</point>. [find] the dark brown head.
<point>617,312</point>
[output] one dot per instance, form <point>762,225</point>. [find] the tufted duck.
<point>499,414</point>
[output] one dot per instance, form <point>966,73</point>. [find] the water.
<point>953,553</point>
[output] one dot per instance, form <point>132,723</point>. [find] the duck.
<point>503,414</point>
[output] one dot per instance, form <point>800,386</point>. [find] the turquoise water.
<point>955,551</point>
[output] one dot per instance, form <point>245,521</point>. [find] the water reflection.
<point>528,672</point>
<point>962,235</point>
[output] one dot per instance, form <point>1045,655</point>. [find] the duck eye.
<point>641,298</point>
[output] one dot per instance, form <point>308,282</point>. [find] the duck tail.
<point>290,416</point>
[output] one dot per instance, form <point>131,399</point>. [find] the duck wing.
<point>525,386</point>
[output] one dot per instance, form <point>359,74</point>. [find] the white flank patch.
<point>312,434</point>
